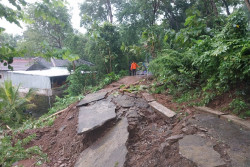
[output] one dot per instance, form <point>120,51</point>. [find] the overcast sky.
<point>74,11</point>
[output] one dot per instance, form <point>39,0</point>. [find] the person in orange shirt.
<point>133,68</point>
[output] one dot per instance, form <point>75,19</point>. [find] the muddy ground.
<point>148,131</point>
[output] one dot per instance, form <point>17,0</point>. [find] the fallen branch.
<point>59,112</point>
<point>8,127</point>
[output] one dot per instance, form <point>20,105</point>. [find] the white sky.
<point>73,5</point>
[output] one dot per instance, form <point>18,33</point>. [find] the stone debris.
<point>91,117</point>
<point>174,138</point>
<point>148,97</point>
<point>62,128</point>
<point>91,98</point>
<point>141,103</point>
<point>125,101</point>
<point>200,151</point>
<point>162,109</point>
<point>109,150</point>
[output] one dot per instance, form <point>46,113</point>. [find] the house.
<point>46,76</point>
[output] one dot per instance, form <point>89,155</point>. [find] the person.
<point>130,71</point>
<point>133,68</point>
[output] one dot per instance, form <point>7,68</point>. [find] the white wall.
<point>4,76</point>
<point>30,81</point>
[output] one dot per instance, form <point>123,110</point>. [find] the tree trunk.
<point>74,65</point>
<point>226,5</point>
<point>215,11</point>
<point>110,61</point>
<point>109,8</point>
<point>248,4</point>
<point>156,4</point>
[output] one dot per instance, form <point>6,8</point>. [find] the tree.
<point>50,23</point>
<point>103,48</point>
<point>99,10</point>
<point>13,16</point>
<point>247,4</point>
<point>12,104</point>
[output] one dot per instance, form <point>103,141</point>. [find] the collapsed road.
<point>115,128</point>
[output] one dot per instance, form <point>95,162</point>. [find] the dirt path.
<point>154,140</point>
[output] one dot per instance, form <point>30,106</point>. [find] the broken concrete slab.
<point>174,138</point>
<point>91,117</point>
<point>162,109</point>
<point>125,101</point>
<point>235,136</point>
<point>200,151</point>
<point>141,103</point>
<point>148,97</point>
<point>108,151</point>
<point>209,110</point>
<point>91,98</point>
<point>222,115</point>
<point>237,120</point>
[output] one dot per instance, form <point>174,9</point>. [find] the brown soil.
<point>61,142</point>
<point>147,143</point>
<point>222,102</point>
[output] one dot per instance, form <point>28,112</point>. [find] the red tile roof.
<point>19,64</point>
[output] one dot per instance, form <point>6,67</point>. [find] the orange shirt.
<point>133,66</point>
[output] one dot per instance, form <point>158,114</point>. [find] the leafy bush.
<point>213,63</point>
<point>12,104</point>
<point>79,80</point>
<point>240,107</point>
<point>12,152</point>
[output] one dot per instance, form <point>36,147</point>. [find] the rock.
<point>168,132</point>
<point>70,117</point>
<point>62,128</point>
<point>174,138</point>
<point>125,101</point>
<point>121,112</point>
<point>141,103</point>
<point>200,151</point>
<point>132,117</point>
<point>189,130</point>
<point>109,150</point>
<point>91,98</point>
<point>148,97</point>
<point>132,113</point>
<point>91,117</point>
<point>162,109</point>
<point>163,146</point>
<point>203,129</point>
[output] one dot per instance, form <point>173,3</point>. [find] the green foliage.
<point>109,78</point>
<point>211,63</point>
<point>12,104</point>
<point>80,79</point>
<point>236,26</point>
<point>11,152</point>
<point>103,48</point>
<point>240,107</point>
<point>62,103</point>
